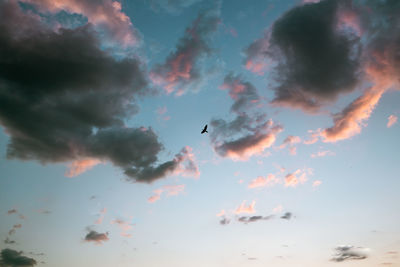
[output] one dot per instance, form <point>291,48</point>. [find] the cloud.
<point>294,178</point>
<point>263,181</point>
<point>224,221</point>
<point>350,120</point>
<point>250,219</point>
<point>350,253</point>
<point>255,135</point>
<point>181,71</point>
<point>58,105</point>
<point>316,183</point>
<point>391,121</point>
<point>124,227</point>
<point>12,211</point>
<point>322,154</point>
<point>175,6</point>
<point>9,241</point>
<point>14,228</point>
<point>101,217</point>
<point>256,55</point>
<point>246,209</point>
<point>10,257</point>
<point>243,93</point>
<point>183,164</point>
<point>277,209</point>
<point>314,70</point>
<point>170,190</point>
<point>106,14</point>
<point>79,166</point>
<point>287,216</point>
<point>290,141</point>
<point>96,237</point>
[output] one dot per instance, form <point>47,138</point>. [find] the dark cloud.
<point>316,61</point>
<point>287,216</point>
<point>12,211</point>
<point>9,241</point>
<point>224,221</point>
<point>13,229</point>
<point>96,237</point>
<point>63,98</point>
<point>13,258</point>
<point>349,253</point>
<point>249,219</point>
<point>181,71</point>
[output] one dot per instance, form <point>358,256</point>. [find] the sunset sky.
<point>103,164</point>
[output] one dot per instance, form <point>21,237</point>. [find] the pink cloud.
<point>297,177</point>
<point>322,154</point>
<point>256,60</point>
<point>187,165</point>
<point>260,181</point>
<point>313,138</point>
<point>221,213</point>
<point>104,13</point>
<point>316,183</point>
<point>349,122</point>
<point>349,19</point>
<point>291,141</point>
<point>170,190</point>
<point>248,146</point>
<point>246,209</point>
<point>102,214</point>
<point>391,121</point>
<point>79,166</point>
<point>277,209</point>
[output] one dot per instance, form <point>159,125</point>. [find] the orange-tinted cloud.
<point>391,121</point>
<point>246,209</point>
<point>264,181</point>
<point>124,227</point>
<point>170,190</point>
<point>79,166</point>
<point>297,177</point>
<point>349,122</point>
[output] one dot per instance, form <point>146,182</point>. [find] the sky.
<point>102,160</point>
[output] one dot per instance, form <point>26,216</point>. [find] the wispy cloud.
<point>392,119</point>
<point>260,181</point>
<point>350,253</point>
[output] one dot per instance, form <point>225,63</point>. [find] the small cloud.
<point>221,213</point>
<point>260,181</point>
<point>322,154</point>
<point>316,183</point>
<point>391,121</point>
<point>12,211</point>
<point>96,237</point>
<point>170,190</point>
<point>224,221</point>
<point>9,242</point>
<point>124,227</point>
<point>287,216</point>
<point>350,253</point>
<point>250,219</point>
<point>277,209</point>
<point>102,214</point>
<point>246,209</point>
<point>13,229</point>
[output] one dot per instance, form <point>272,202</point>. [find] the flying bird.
<point>204,130</point>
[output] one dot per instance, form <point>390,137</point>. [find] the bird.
<point>204,130</point>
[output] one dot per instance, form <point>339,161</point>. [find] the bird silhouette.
<point>204,130</point>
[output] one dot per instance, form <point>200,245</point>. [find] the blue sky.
<point>103,164</point>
